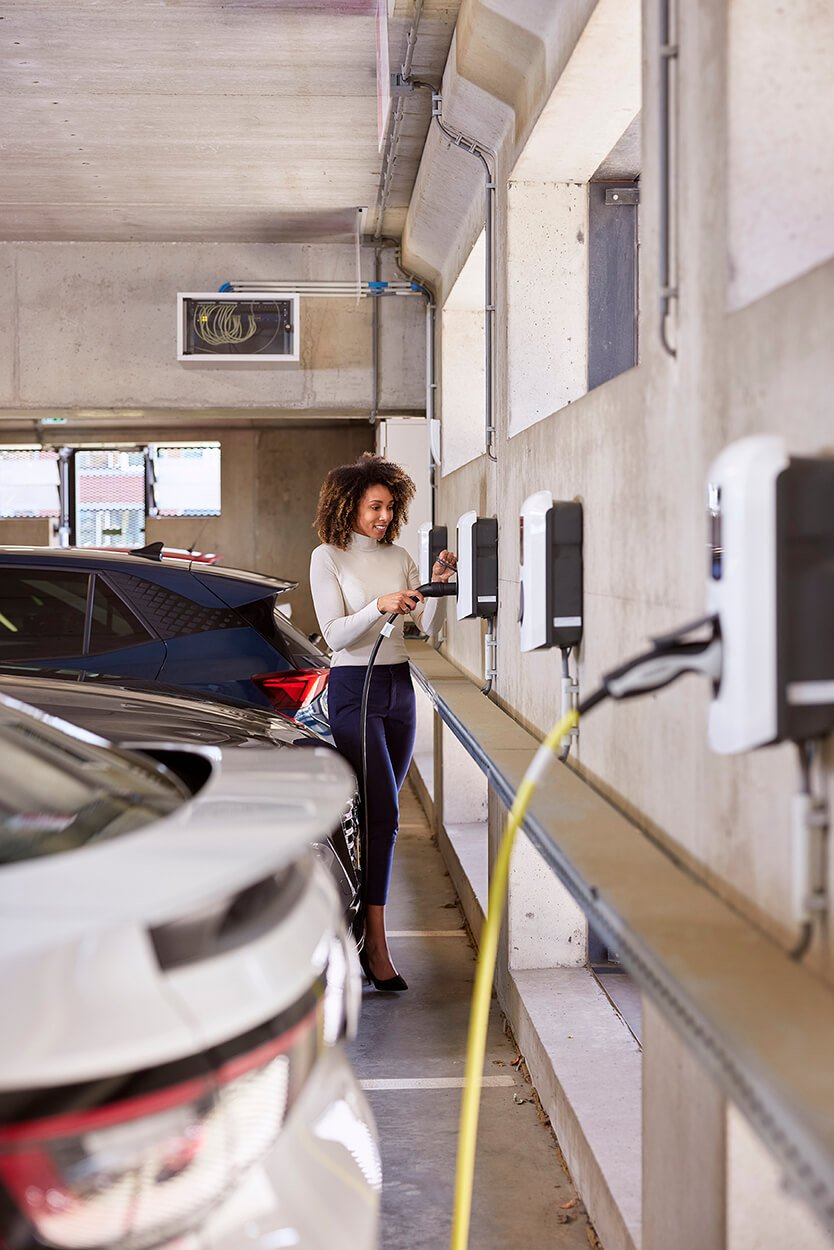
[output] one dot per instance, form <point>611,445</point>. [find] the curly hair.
<point>342,491</point>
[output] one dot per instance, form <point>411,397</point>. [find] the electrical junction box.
<point>477,566</point>
<point>771,585</point>
<point>432,540</point>
<point>226,326</point>
<point>550,543</point>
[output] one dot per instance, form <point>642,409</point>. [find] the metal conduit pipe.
<point>431,318</point>
<point>490,656</point>
<point>392,137</point>
<point>668,285</point>
<point>326,290</point>
<point>310,287</point>
<point>375,331</point>
<point>475,149</point>
<point>431,376</point>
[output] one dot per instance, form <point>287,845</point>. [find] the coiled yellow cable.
<point>484,973</point>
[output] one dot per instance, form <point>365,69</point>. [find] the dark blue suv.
<point>137,615</point>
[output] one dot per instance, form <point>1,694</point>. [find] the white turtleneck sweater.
<point>345,587</point>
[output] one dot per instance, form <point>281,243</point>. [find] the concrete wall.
<point>25,531</point>
<point>93,326</point>
<point>636,450</point>
<point>547,299</point>
<point>781,98</point>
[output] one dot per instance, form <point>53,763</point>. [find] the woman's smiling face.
<point>375,512</point>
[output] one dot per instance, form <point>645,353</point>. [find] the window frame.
<point>9,450</point>
<point>152,507</point>
<point>95,576</point>
<point>49,570</point>
<point>605,235</point>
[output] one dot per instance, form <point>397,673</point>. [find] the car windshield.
<point>62,788</point>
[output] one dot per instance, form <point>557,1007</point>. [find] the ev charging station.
<point>477,543</point>
<point>550,542</point>
<point>771,590</point>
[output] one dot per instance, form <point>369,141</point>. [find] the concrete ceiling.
<point>190,120</point>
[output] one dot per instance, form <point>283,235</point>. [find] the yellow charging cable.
<point>484,973</point>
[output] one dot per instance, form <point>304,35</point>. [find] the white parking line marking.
<point>436,1082</point>
<point>427,933</point>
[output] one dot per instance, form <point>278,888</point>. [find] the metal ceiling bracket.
<point>617,196</point>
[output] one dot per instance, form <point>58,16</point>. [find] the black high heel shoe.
<point>392,985</point>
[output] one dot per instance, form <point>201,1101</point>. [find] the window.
<point>589,130</point>
<point>42,614</point>
<point>113,625</point>
<point>110,491</point>
<point>612,279</point>
<point>462,373</point>
<point>28,482</point>
<point>109,497</point>
<point>184,479</point>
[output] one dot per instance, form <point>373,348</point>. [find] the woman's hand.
<point>445,567</point>
<point>399,601</point>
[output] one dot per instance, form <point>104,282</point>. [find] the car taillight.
<point>293,690</point>
<point>143,1170</point>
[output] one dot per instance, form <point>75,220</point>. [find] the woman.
<point>358,578</point>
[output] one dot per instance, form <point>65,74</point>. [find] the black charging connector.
<point>671,656</point>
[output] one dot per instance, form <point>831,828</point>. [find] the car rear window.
<point>42,613</point>
<point>171,614</point>
<point>113,624</point>
<point>263,615</point>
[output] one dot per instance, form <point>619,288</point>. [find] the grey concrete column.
<point>684,1148</point>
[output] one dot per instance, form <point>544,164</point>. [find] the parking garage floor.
<point>410,1057</point>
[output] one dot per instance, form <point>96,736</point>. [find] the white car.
<point>175,981</point>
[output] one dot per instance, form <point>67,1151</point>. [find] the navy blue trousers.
<point>390,744</point>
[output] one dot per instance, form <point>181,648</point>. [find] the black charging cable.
<point>431,590</point>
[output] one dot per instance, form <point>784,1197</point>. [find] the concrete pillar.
<point>684,1175</point>
<point>546,928</point>
<point>465,789</point>
<point>763,1209</point>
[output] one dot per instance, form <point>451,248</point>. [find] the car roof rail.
<point>151,551</point>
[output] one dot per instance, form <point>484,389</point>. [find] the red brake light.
<point>289,692</point>
<point>140,1171</point>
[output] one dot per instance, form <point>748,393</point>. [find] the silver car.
<point>176,982</point>
<point>142,714</point>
